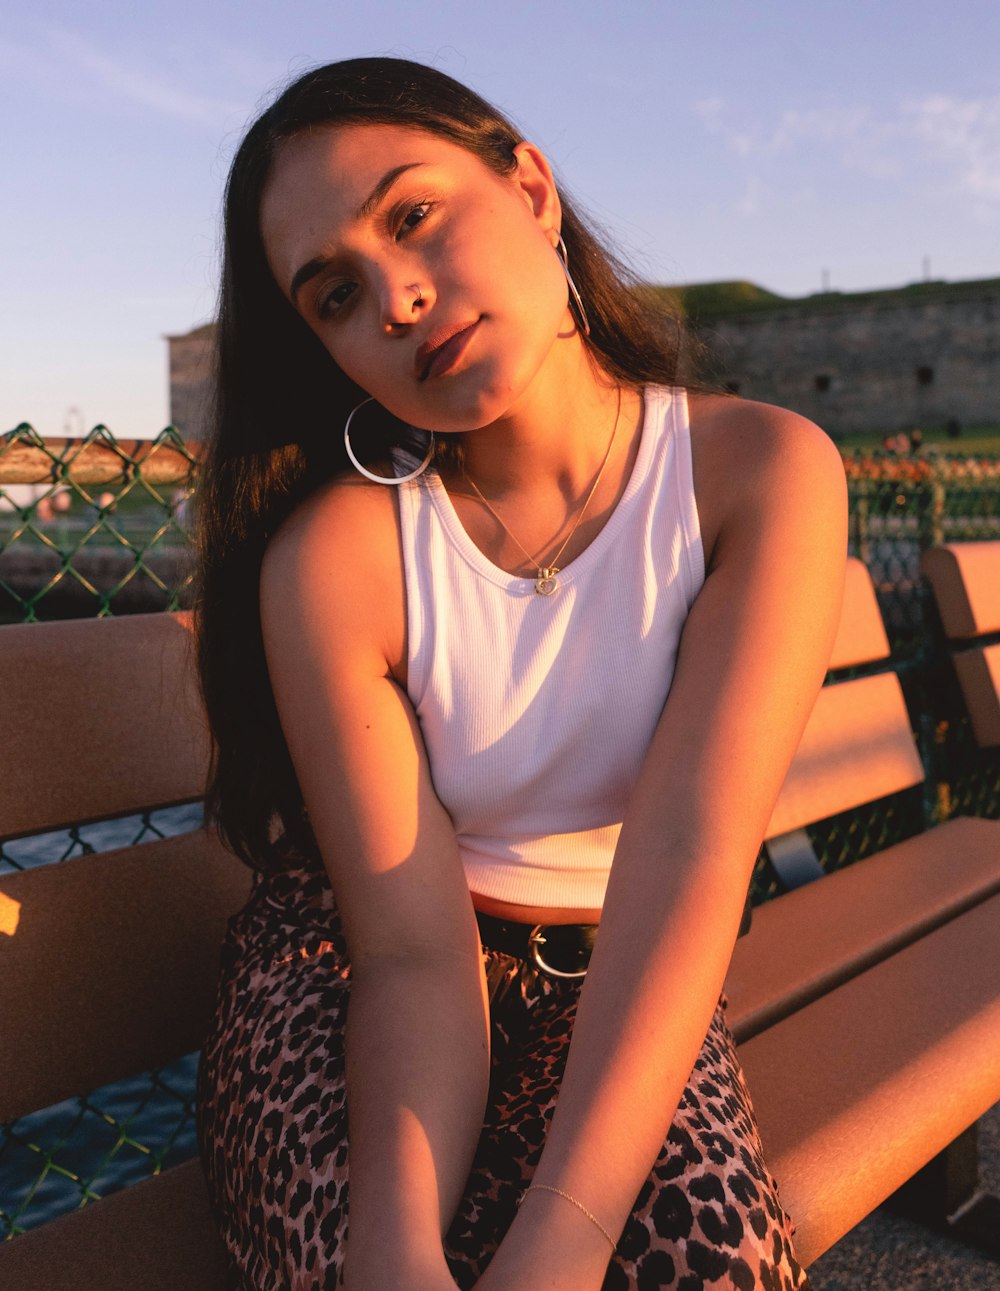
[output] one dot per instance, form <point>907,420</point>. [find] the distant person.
<point>487,625</point>
<point>916,439</point>
<point>180,505</point>
<point>953,428</point>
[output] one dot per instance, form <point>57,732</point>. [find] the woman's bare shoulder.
<point>341,507</point>
<point>728,431</point>
<point>340,548</point>
<point>746,455</point>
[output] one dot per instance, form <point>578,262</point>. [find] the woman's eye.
<point>336,298</point>
<point>414,216</point>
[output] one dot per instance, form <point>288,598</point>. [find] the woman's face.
<point>431,280</point>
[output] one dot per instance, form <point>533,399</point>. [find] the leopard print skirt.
<point>272,1122</point>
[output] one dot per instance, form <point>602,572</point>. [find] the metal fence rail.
<point>99,526</point>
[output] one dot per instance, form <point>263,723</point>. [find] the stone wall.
<point>881,364</point>
<point>879,361</point>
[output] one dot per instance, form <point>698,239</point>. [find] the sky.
<point>794,143</point>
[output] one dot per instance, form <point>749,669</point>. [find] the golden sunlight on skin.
<point>482,255</point>
<point>533,914</point>
<point>10,914</point>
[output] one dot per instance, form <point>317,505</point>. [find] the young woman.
<point>500,720</point>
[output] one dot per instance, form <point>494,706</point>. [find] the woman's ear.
<point>538,187</point>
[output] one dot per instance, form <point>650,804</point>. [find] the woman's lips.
<point>442,350</point>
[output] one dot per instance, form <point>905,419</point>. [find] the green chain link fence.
<point>91,523</point>
<point>100,526</point>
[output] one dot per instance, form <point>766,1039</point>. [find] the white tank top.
<point>537,711</point>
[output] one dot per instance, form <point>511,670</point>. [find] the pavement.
<point>888,1253</point>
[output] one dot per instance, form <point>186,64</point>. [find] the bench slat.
<point>860,1089</point>
<point>156,1236</point>
<point>979,676</point>
<point>109,964</point>
<point>966,586</point>
<point>813,939</point>
<point>101,717</point>
<point>861,634</point>
<point>857,746</point>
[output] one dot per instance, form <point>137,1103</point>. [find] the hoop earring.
<point>574,294</point>
<point>381,479</point>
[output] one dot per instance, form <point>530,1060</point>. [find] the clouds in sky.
<point>66,63</point>
<point>939,142</point>
<point>139,86</point>
<point>965,134</point>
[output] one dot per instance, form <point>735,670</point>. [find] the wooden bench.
<point>108,962</point>
<point>857,1000</point>
<point>867,1003</point>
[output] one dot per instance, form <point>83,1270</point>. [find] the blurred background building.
<point>924,355</point>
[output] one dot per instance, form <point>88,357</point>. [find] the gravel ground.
<point>888,1253</point>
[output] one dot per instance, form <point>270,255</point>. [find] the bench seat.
<point>844,1124</point>
<point>811,940</point>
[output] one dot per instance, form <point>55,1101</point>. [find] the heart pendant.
<point>546,582</point>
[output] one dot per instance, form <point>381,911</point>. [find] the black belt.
<point>558,949</point>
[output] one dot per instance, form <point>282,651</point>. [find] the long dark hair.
<point>280,401</point>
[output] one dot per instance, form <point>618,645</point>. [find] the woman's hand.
<point>550,1246</point>
<point>431,1274</point>
<point>566,1278</point>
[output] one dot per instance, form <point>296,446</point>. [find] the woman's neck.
<point>538,486</point>
<point>556,436</point>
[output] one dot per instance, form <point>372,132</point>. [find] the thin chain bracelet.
<point>547,1187</point>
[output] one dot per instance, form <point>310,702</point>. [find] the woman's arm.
<point>752,657</point>
<point>417,1038</point>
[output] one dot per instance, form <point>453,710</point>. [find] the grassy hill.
<point>706,300</point>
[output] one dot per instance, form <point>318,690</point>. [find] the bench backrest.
<point>107,962</point>
<point>858,744</point>
<point>965,580</point>
<point>101,717</point>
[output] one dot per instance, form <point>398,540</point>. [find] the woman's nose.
<point>404,303</point>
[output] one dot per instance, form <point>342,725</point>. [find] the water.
<point>104,836</point>
<point>57,1159</point>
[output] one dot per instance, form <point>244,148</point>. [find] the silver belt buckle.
<point>537,939</point>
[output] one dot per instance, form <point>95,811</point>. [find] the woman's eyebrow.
<point>318,263</point>
<point>383,186</point>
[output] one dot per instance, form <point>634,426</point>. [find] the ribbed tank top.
<point>537,711</point>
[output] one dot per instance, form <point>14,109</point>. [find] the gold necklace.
<point>546,582</point>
